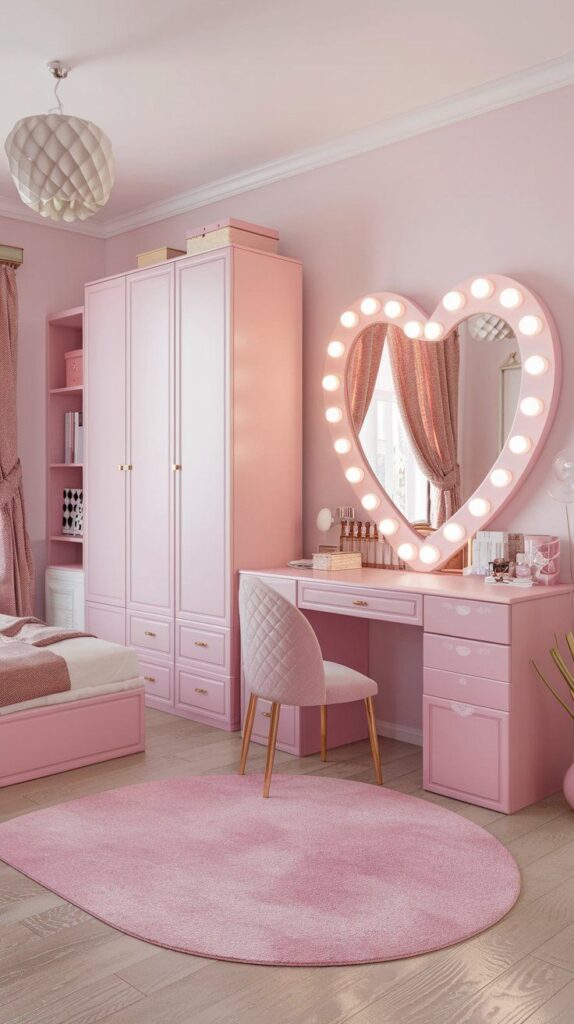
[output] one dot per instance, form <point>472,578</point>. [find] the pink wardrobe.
<point>193,462</point>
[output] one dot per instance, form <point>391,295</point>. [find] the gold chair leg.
<point>275,709</point>
<point>247,730</point>
<point>372,723</point>
<point>323,732</point>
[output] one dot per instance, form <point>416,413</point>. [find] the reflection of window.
<point>388,449</point>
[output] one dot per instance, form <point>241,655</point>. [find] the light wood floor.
<point>59,966</point>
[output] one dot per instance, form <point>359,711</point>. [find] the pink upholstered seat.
<point>282,662</point>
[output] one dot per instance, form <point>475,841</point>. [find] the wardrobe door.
<point>150,440</point>
<point>202,444</point>
<point>105,412</point>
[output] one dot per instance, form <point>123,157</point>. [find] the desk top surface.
<point>473,588</point>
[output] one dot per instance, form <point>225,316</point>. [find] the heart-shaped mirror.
<point>437,419</point>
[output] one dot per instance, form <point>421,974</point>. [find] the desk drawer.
<point>485,693</point>
<point>491,661</point>
<point>261,722</point>
<point>283,585</point>
<point>150,634</point>
<point>387,605</point>
<point>475,620</point>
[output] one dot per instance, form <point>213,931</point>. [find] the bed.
<point>100,717</point>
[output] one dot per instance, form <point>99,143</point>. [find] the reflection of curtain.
<point>16,570</point>
<point>426,382</point>
<point>363,371</point>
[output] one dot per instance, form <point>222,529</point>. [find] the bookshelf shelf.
<point>67,391</point>
<point>66,465</point>
<point>63,539</point>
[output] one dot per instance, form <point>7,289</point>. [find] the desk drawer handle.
<point>201,643</point>
<point>463,710</point>
<point>362,604</point>
<point>149,679</point>
<point>200,689</point>
<point>148,632</point>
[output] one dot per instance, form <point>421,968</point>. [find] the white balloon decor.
<point>62,166</point>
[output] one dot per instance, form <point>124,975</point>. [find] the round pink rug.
<point>324,872</point>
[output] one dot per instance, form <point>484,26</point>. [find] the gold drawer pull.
<point>148,632</point>
<point>176,466</point>
<point>149,679</point>
<point>362,604</point>
<point>128,467</point>
<point>121,468</point>
<point>201,643</point>
<point>266,714</point>
<point>200,689</point>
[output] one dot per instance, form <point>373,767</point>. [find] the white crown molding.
<point>502,92</point>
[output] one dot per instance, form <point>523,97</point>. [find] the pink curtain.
<point>363,371</point>
<point>426,382</point>
<point>16,568</point>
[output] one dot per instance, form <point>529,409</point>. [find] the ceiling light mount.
<point>58,69</point>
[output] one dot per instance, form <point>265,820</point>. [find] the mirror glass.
<point>432,417</point>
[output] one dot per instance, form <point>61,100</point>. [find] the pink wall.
<point>56,264</point>
<point>493,193</point>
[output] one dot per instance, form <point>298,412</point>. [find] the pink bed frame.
<point>58,737</point>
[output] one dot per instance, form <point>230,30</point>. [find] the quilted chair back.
<point>282,660</point>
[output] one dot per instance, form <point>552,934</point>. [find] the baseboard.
<point>404,733</point>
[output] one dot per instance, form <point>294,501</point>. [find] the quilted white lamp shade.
<point>62,166</point>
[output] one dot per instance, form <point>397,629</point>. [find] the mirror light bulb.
<point>413,329</point>
<point>370,306</point>
<point>388,527</point>
<point>531,406</point>
<point>453,301</point>
<point>454,532</point>
<point>510,298</point>
<point>349,319</point>
<point>536,365</point>
<point>429,554</point>
<point>530,325</point>
<point>482,288</point>
<point>479,507</point>
<point>407,552</point>
<point>342,445</point>
<point>393,309</point>
<point>354,475</point>
<point>433,330</point>
<point>370,502</point>
<point>333,414</point>
<point>501,477</point>
<point>331,382</point>
<point>520,444</point>
<point>335,349</point>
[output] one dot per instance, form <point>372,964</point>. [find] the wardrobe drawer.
<point>286,729</point>
<point>200,692</point>
<point>475,620</point>
<point>204,646</point>
<point>158,680</point>
<point>486,693</point>
<point>467,656</point>
<point>367,604</point>
<point>465,752</point>
<point>151,634</point>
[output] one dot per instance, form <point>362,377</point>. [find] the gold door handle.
<point>200,689</point>
<point>362,604</point>
<point>149,679</point>
<point>128,467</point>
<point>148,632</point>
<point>176,466</point>
<point>121,468</point>
<point>266,714</point>
<point>201,643</point>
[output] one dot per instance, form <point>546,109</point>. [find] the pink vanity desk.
<point>492,734</point>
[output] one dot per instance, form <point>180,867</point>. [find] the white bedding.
<point>96,667</point>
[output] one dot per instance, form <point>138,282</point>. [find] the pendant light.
<point>62,166</point>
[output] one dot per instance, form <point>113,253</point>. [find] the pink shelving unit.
<point>64,334</point>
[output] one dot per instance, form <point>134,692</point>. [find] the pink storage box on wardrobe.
<point>74,368</point>
<point>232,232</point>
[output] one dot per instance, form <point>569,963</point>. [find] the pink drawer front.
<point>106,622</point>
<point>387,605</point>
<point>467,656</point>
<point>475,620</point>
<point>158,680</point>
<point>283,585</point>
<point>201,693</point>
<point>486,693</point>
<point>465,752</point>
<point>204,645</point>
<point>151,634</point>
<point>286,730</point>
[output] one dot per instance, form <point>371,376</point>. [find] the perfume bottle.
<point>523,570</point>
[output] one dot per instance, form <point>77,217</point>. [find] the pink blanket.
<point>27,669</point>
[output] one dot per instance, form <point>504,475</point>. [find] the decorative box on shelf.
<point>147,259</point>
<point>337,560</point>
<point>232,232</point>
<point>74,368</point>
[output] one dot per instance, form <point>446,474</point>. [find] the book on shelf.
<point>73,438</point>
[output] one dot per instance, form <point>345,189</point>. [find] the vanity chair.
<point>282,662</point>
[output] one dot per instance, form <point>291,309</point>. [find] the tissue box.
<point>232,232</point>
